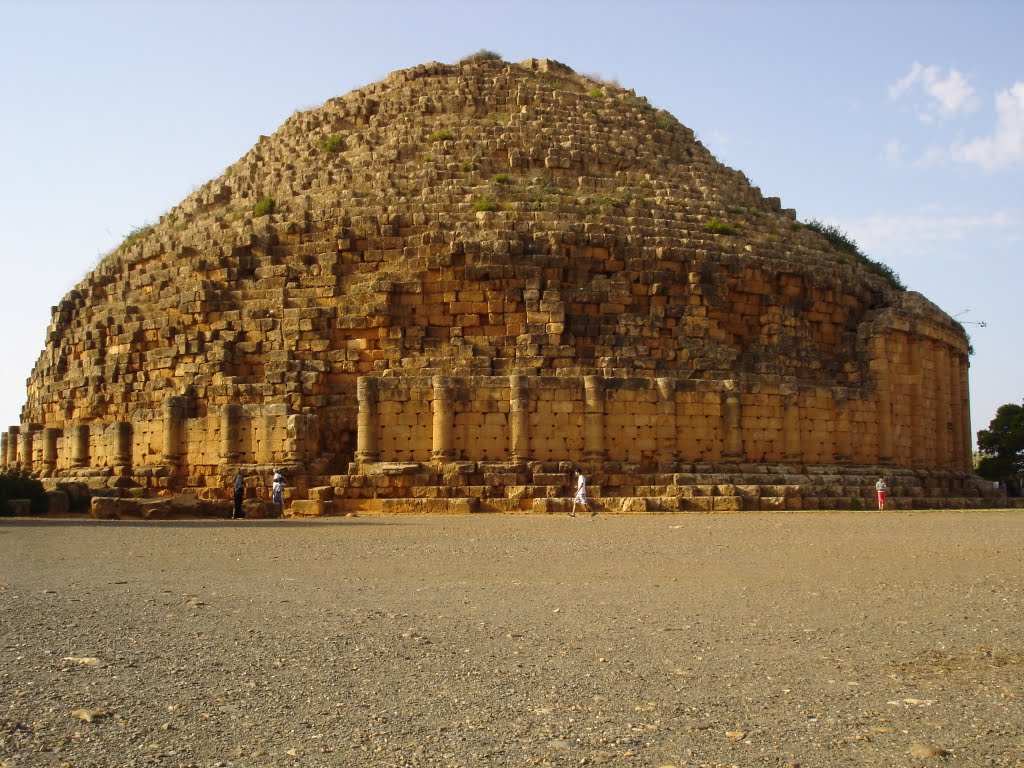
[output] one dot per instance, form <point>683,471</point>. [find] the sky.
<point>901,123</point>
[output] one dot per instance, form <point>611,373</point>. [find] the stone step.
<point>414,506</point>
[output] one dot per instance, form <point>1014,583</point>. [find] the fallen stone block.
<point>186,507</point>
<point>306,508</point>
<point>322,493</point>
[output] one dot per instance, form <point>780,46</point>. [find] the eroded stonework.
<point>474,277</point>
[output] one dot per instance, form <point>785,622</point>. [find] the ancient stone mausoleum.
<point>448,289</point>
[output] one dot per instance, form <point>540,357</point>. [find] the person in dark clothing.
<point>237,513</point>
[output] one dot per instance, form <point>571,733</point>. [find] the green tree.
<point>1002,447</point>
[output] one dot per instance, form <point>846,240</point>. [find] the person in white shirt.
<point>580,499</point>
<point>278,492</point>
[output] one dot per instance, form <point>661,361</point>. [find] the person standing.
<point>580,499</point>
<point>277,492</point>
<point>239,494</point>
<point>882,490</point>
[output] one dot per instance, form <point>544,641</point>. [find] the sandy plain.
<point>819,639</point>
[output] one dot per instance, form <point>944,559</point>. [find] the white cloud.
<point>1005,148</point>
<point>932,157</point>
<point>921,229</point>
<point>897,89</point>
<point>953,94</point>
<point>945,96</point>
<point>897,153</point>
<point>894,151</point>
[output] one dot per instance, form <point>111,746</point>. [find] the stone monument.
<point>446,290</point>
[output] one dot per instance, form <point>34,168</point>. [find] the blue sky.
<point>900,122</point>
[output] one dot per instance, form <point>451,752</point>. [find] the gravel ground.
<point>825,639</point>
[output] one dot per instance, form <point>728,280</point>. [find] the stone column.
<point>732,421</point>
<point>122,444</point>
<point>302,437</point>
<point>442,406</point>
<point>3,449</point>
<point>50,437</point>
<point>955,419</point>
<point>519,417</point>
<point>174,427</point>
<point>367,426</point>
<point>947,442</point>
<point>294,439</point>
<point>26,442</point>
<point>79,445</point>
<point>843,442</point>
<point>593,418</point>
<point>965,414</point>
<point>665,432</point>
<point>884,417</point>
<point>12,445</point>
<point>231,417</point>
<point>792,449</point>
<point>918,439</point>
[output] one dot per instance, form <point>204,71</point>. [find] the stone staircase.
<point>544,488</point>
<point>547,487</point>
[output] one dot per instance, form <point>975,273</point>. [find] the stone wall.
<point>651,422</point>
<point>168,448</point>
<point>919,391</point>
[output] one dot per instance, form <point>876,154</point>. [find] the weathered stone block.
<point>727,503</point>
<point>307,508</point>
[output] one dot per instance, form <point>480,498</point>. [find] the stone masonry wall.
<point>920,391</point>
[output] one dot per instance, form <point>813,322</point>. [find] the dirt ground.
<point>824,639</point>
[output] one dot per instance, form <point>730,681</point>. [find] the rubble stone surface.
<point>758,640</point>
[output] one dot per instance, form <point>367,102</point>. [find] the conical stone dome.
<point>557,268</point>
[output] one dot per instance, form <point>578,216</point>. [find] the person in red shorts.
<point>882,490</point>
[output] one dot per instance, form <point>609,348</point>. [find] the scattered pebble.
<point>87,715</point>
<point>89,661</point>
<point>924,750</point>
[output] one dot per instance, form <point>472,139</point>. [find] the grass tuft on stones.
<point>482,55</point>
<point>717,226</point>
<point>443,135</point>
<point>136,235</point>
<point>846,244</point>
<point>485,203</point>
<point>330,143</point>
<point>264,207</point>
